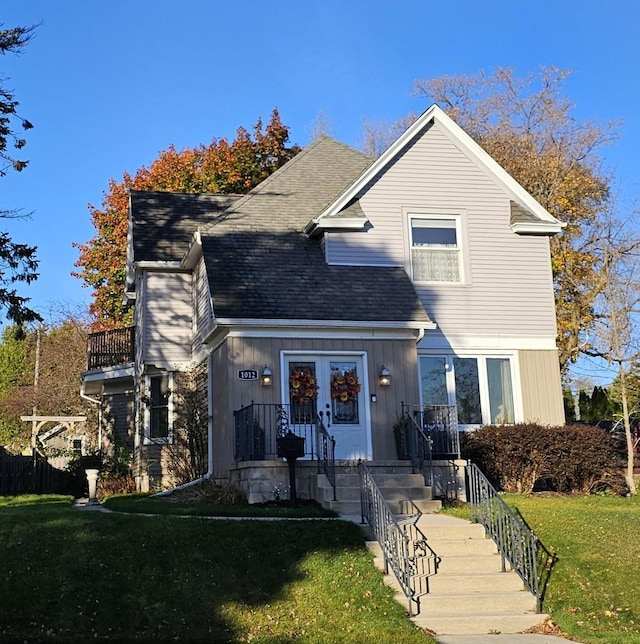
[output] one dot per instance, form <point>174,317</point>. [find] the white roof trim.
<point>149,265</point>
<point>349,223</point>
<point>468,145</point>
<point>376,324</point>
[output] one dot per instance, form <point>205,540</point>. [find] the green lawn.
<point>72,576</point>
<point>165,505</point>
<point>76,576</point>
<point>594,590</point>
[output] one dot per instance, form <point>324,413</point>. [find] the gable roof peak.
<point>548,224</point>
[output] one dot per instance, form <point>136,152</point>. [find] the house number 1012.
<point>247,374</point>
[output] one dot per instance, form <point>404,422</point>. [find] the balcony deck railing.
<point>111,348</point>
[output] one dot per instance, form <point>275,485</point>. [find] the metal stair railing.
<point>431,433</point>
<point>516,542</point>
<point>419,448</point>
<point>404,546</point>
<point>326,451</point>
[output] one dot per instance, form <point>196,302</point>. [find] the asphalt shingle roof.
<point>261,265</point>
<point>164,222</point>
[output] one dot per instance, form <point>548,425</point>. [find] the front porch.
<point>427,465</point>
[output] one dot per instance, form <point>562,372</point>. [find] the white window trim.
<point>148,440</point>
<point>440,214</point>
<point>483,380</point>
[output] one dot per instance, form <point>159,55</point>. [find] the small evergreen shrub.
<point>567,459</point>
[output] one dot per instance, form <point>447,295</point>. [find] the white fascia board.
<point>130,268</point>
<point>537,228</point>
<point>351,223</point>
<point>172,266</point>
<point>194,251</point>
<point>338,325</point>
<point>326,334</point>
<point>108,373</point>
<point>475,151</point>
<point>486,343</point>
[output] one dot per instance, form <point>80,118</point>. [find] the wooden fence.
<point>28,474</point>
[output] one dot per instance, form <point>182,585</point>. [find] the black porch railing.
<point>428,433</point>
<point>258,425</point>
<point>111,348</point>
<point>516,542</point>
<point>327,451</point>
<point>439,423</point>
<point>404,546</point>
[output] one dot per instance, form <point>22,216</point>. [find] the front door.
<point>334,385</point>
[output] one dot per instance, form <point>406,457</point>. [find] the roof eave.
<point>344,224</point>
<point>268,322</point>
<point>547,229</point>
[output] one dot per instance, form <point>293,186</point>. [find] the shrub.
<point>567,459</point>
<point>210,491</point>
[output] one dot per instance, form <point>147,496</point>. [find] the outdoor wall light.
<point>267,378</point>
<point>384,379</point>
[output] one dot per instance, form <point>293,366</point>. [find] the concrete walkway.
<point>502,638</point>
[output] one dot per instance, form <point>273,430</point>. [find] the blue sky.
<point>110,84</point>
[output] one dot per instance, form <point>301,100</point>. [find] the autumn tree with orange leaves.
<point>220,167</point>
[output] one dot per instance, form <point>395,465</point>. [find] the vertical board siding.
<point>167,318</point>
<point>222,412</point>
<point>399,356</point>
<point>541,387</point>
<point>508,282</point>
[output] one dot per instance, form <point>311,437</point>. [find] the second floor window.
<point>435,249</point>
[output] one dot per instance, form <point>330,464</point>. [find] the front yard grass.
<point>166,505</point>
<point>594,590</point>
<point>78,576</point>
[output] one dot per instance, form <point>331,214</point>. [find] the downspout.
<point>209,472</point>
<point>99,403</point>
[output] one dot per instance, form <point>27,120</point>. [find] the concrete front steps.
<point>395,480</point>
<point>470,594</point>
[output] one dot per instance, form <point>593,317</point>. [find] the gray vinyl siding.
<point>167,319</point>
<point>541,387</point>
<point>399,356</point>
<point>507,283</point>
<point>203,311</point>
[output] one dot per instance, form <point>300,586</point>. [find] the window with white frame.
<point>435,249</point>
<point>481,387</point>
<point>158,400</point>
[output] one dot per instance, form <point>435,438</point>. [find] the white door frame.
<point>287,354</point>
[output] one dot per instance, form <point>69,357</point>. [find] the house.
<point>339,294</point>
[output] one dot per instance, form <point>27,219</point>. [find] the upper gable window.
<point>435,249</point>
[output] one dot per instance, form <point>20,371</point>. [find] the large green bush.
<point>567,459</point>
